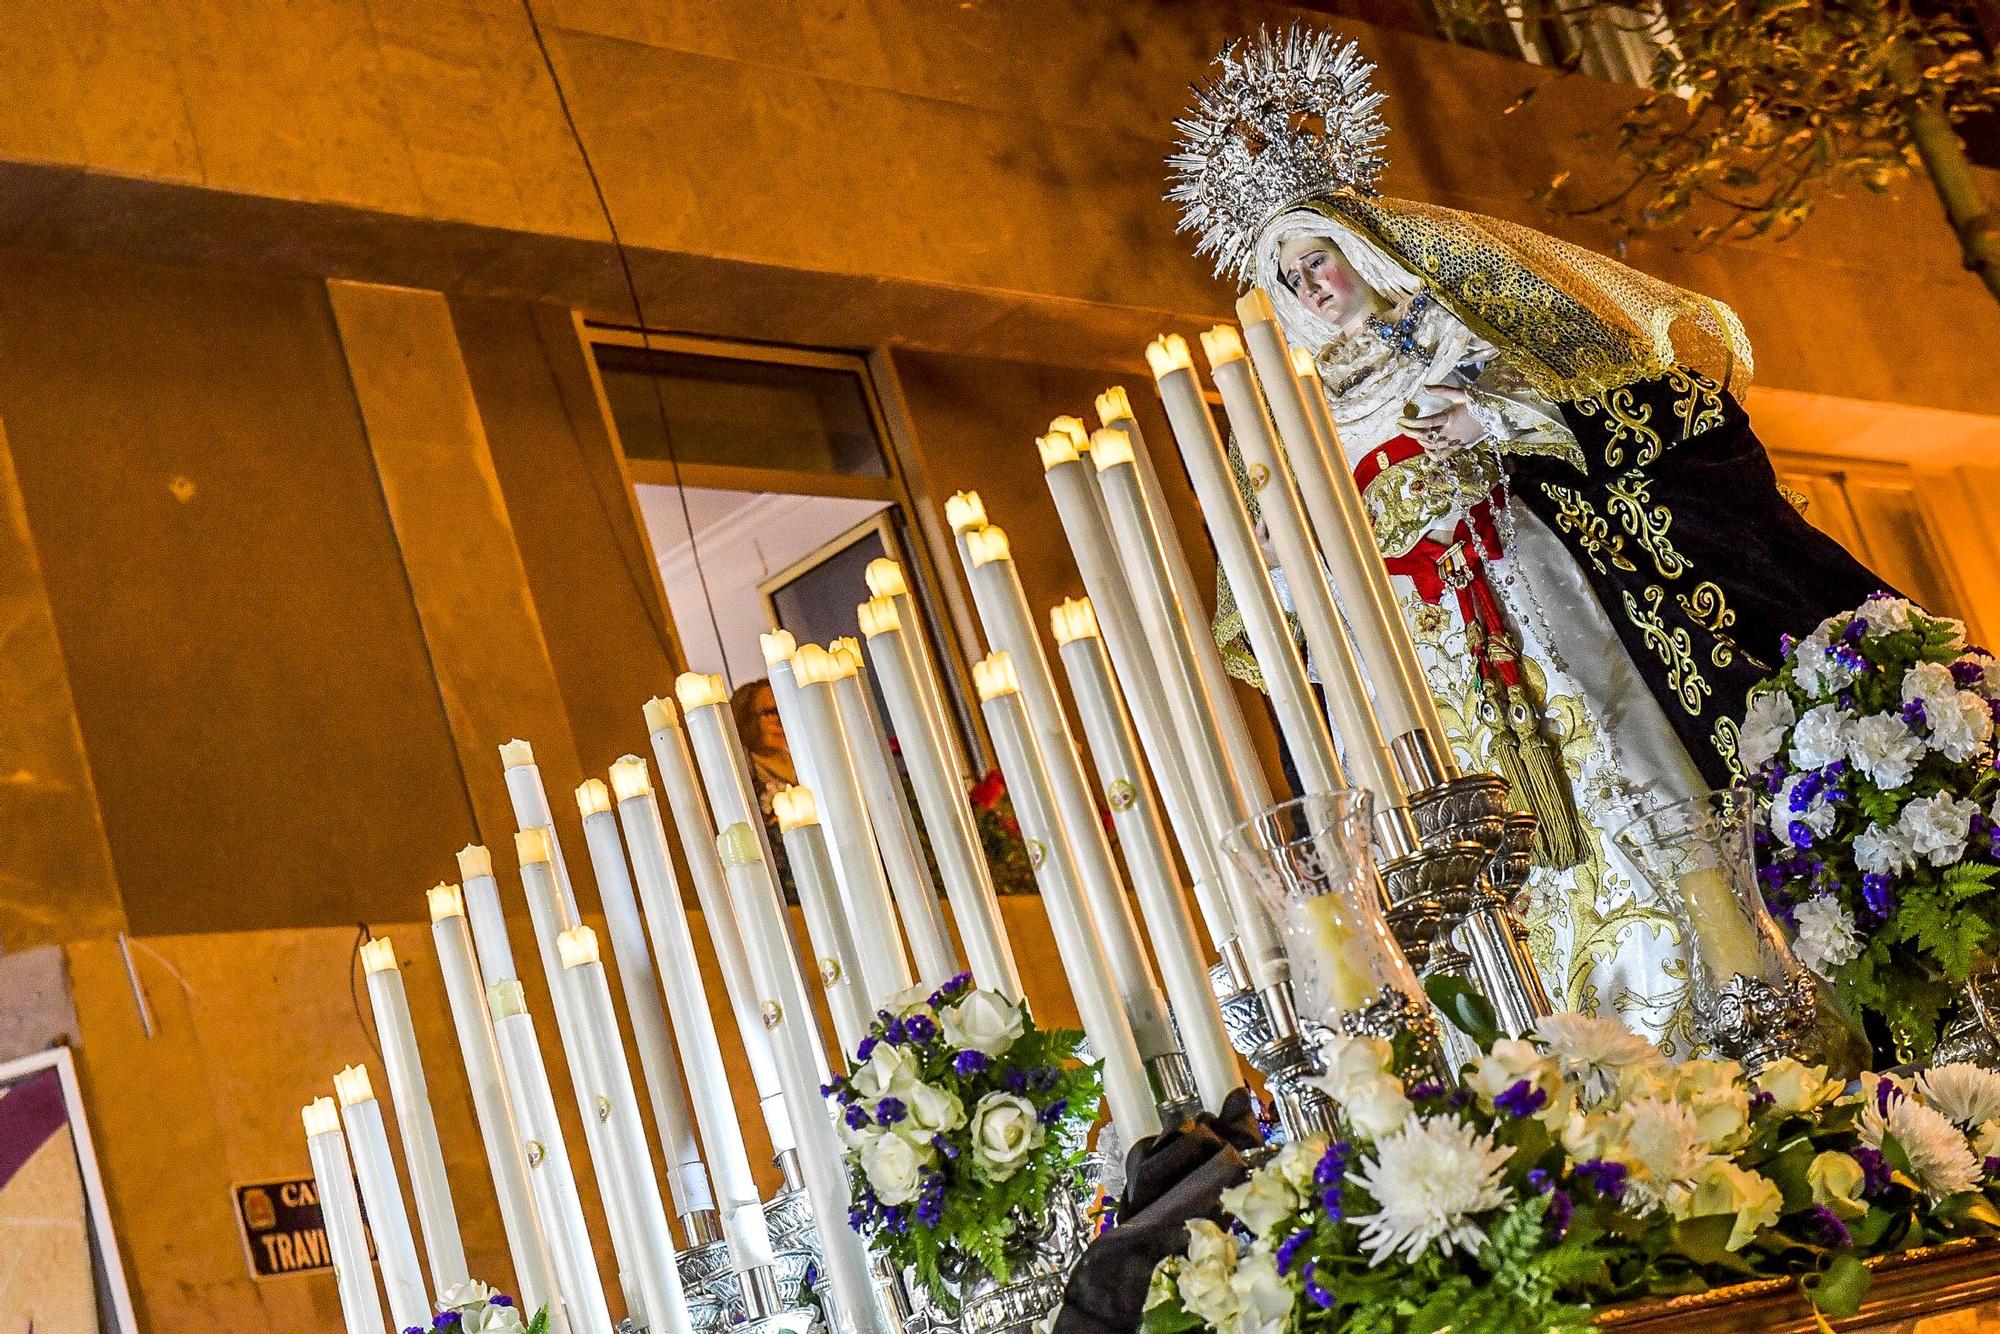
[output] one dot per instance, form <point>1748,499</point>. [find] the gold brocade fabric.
<point>1571,322</point>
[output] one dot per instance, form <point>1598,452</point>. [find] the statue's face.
<point>1319,276</point>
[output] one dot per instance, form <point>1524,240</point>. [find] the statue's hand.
<point>1448,428</point>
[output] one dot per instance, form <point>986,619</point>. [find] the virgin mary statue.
<point>1588,541</point>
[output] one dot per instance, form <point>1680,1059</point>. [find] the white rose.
<point>984,1021</point>
<point>1509,1062</point>
<point>1937,827</point>
<point>1987,1142</point>
<point>1836,1180</point>
<point>1004,1132</point>
<point>929,1111</point>
<point>1886,614</point>
<point>1298,1160</point>
<point>1826,937</point>
<point>1820,737</point>
<point>1795,1086</point>
<point>1725,1188</point>
<point>1263,1298</point>
<point>889,1071</point>
<point>1377,1108</point>
<point>910,1000</point>
<point>1880,851</point>
<point>1351,1062</point>
<point>1765,723</point>
<point>1884,748</point>
<point>1205,1278</point>
<point>1263,1201</point>
<point>893,1167</point>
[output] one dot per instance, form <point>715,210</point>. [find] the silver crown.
<point>1286,118</point>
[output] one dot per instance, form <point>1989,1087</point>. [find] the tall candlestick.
<point>1003,610</point>
<point>1159,681</point>
<point>895,829</point>
<point>549,1172</point>
<point>1219,787</point>
<point>1345,689</point>
<point>779,647</point>
<point>417,1126</point>
<point>1122,780</point>
<point>499,1131</point>
<point>487,919</point>
<point>1126,1087</point>
<point>1299,717</point>
<point>535,851</point>
<point>941,799</point>
<point>340,1211</point>
<point>697,836</point>
<point>832,937</point>
<point>1346,537</point>
<point>725,770</point>
<point>1218,697</point>
<point>741,1207</point>
<point>659,1282</point>
<point>885,579</point>
<point>530,801</point>
<point>382,1194</point>
<point>885,968</point>
<point>796,1043</point>
<point>687,1179</point>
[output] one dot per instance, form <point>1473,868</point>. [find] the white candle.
<point>832,938</point>
<point>1218,695</point>
<point>1340,521</point>
<point>414,1121</point>
<point>779,646</point>
<point>741,1207</point>
<point>530,801</point>
<point>535,850</point>
<point>1219,786</point>
<point>499,1132</point>
<point>697,837</point>
<point>885,579</point>
<point>549,1171</point>
<point>1122,780</point>
<point>895,829</point>
<point>659,1282</point>
<point>1003,610</point>
<point>340,1214</point>
<point>1345,689</point>
<point>486,917</point>
<point>1159,680</point>
<point>687,1179</point>
<point>1126,1087</point>
<point>871,911</point>
<point>796,1044</point>
<point>941,799</point>
<point>382,1195</point>
<point>725,771</point>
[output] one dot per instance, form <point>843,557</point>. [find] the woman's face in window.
<point>1319,276</point>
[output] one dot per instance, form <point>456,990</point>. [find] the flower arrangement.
<point>962,1119</point>
<point>1577,1169</point>
<point>1874,747</point>
<point>473,1308</point>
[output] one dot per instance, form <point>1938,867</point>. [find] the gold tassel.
<point>1545,783</point>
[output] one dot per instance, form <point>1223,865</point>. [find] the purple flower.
<point>1801,836</point>
<point>1856,631</point>
<point>919,1028</point>
<point>856,1117</point>
<point>1053,1113</point>
<point>1429,1088</point>
<point>944,1146</point>
<point>1875,1172</point>
<point>499,1299</point>
<point>1967,673</point>
<point>1607,1179</point>
<point>889,1111</point>
<point>1878,897</point>
<point>1288,1249</point>
<point>894,1032</point>
<point>1540,1181</point>
<point>1459,1099</point>
<point>1828,1228</point>
<point>865,1048</point>
<point>1561,1208</point>
<point>1886,1094</point>
<point>1522,1098</point>
<point>1015,1080</point>
<point>970,1062</point>
<point>1913,713</point>
<point>446,1320</point>
<point>1319,1296</point>
<point>1992,1167</point>
<point>1786,643</point>
<point>1760,1100</point>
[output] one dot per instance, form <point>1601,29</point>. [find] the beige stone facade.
<point>311,498</point>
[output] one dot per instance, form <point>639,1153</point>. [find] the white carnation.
<point>1883,748</point>
<point>1968,1094</point>
<point>1826,936</point>
<point>1927,681</point>
<point>1765,723</point>
<point>1989,672</point>
<point>1820,737</point>
<point>1961,724</point>
<point>1818,816</point>
<point>1883,851</point>
<point>1937,827</point>
<point>1429,1180</point>
<point>1886,614</point>
<point>1815,668</point>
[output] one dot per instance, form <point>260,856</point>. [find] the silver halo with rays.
<point>1286,118</point>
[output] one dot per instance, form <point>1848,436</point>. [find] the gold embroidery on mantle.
<point>1630,500</point>
<point>1575,515</point>
<point>1708,608</point>
<point>1627,421</point>
<point>1674,647</point>
<point>1726,736</point>
<point>1699,406</point>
